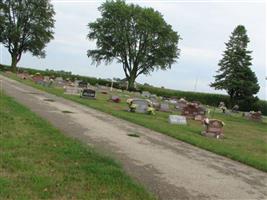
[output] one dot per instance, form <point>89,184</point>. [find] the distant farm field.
<point>39,162</point>
<point>245,141</point>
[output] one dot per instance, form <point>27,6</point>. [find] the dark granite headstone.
<point>88,93</point>
<point>82,84</point>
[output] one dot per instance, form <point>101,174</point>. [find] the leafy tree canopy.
<point>26,25</point>
<point>136,37</point>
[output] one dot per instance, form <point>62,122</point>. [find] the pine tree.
<point>235,75</point>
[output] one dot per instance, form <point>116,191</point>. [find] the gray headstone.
<point>72,90</point>
<point>146,94</point>
<point>141,105</point>
<point>164,107</point>
<point>177,119</point>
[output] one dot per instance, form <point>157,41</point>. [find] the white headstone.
<point>177,119</point>
<point>173,101</point>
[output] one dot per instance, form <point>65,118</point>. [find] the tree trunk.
<point>14,63</point>
<point>131,82</point>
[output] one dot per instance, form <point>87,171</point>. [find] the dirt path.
<point>169,168</point>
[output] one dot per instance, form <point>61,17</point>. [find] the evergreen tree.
<point>235,75</point>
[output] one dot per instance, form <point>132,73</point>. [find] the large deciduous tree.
<point>235,75</point>
<point>26,25</point>
<point>136,37</point>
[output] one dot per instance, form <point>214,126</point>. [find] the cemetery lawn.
<point>39,162</point>
<point>245,141</point>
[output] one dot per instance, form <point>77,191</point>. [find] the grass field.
<point>245,141</point>
<point>38,162</point>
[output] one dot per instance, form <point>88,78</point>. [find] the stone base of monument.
<point>212,135</point>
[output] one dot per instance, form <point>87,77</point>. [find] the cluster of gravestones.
<point>147,104</point>
<point>252,115</point>
<point>189,110</point>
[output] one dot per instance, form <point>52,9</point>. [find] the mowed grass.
<point>245,140</point>
<point>39,162</point>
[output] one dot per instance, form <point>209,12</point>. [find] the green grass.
<point>39,162</point>
<point>245,141</point>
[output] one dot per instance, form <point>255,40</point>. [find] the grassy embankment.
<point>245,141</point>
<point>39,162</point>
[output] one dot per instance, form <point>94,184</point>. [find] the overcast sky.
<point>204,27</point>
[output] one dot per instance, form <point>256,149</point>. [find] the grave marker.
<point>115,99</point>
<point>214,128</point>
<point>177,119</point>
<point>164,107</point>
<point>146,94</point>
<point>88,93</point>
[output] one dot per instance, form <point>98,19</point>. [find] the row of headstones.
<point>214,128</point>
<point>252,115</point>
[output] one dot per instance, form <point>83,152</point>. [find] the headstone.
<point>177,119</point>
<point>164,107</point>
<point>115,99</point>
<point>222,107</point>
<point>254,116</point>
<point>76,83</point>
<point>141,105</point>
<point>59,82</point>
<point>173,101</point>
<point>214,128</point>
<point>146,94</point>
<point>155,103</point>
<point>137,94</point>
<point>38,78</point>
<point>191,110</point>
<point>235,108</point>
<point>181,103</point>
<point>88,93</point>
<point>72,90</point>
<point>46,78</point>
<point>82,84</point>
<point>58,79</point>
<point>153,96</point>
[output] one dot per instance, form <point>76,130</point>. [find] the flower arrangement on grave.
<point>132,107</point>
<point>151,110</point>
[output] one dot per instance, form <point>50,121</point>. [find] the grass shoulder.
<point>39,162</point>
